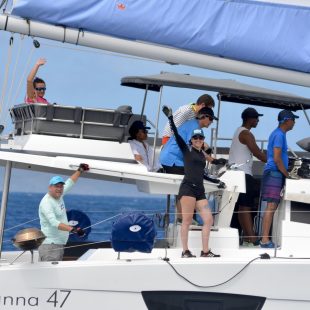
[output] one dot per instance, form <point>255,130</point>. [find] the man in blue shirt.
<point>171,157</point>
<point>275,172</point>
<point>53,217</point>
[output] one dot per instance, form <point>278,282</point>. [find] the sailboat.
<point>242,278</point>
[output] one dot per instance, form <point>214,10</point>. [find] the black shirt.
<point>194,160</point>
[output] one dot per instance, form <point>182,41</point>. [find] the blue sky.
<point>86,77</point>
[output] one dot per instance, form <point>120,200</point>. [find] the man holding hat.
<point>186,113</point>
<point>275,172</point>
<point>53,217</point>
<point>241,152</point>
<point>141,150</point>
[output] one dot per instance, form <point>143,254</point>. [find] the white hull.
<point>118,284</point>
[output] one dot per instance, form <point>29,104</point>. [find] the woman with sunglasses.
<point>35,86</point>
<point>192,193</point>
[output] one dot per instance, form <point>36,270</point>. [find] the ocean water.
<point>22,212</point>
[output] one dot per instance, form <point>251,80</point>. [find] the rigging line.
<point>2,3</point>
<point>7,103</point>
<point>26,69</point>
<point>6,4</point>
<point>81,245</point>
<point>105,220</point>
<point>99,52</point>
<point>7,229</point>
<point>6,75</point>
<point>214,285</point>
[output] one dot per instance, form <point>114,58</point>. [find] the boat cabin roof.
<point>228,90</point>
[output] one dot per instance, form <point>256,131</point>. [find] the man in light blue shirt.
<point>171,157</point>
<point>53,217</point>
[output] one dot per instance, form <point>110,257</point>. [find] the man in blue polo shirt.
<point>275,172</point>
<point>171,157</point>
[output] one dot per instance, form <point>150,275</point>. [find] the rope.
<point>78,36</point>
<point>6,75</point>
<point>23,76</point>
<point>7,229</point>
<point>213,285</point>
<point>6,116</point>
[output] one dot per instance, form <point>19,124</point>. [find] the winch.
<point>299,167</point>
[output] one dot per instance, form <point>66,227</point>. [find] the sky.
<point>79,76</point>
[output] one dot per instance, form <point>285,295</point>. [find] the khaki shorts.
<point>51,252</point>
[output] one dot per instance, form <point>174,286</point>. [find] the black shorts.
<point>252,190</point>
<point>191,190</point>
<point>174,169</point>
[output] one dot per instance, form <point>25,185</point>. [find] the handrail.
<point>215,138</point>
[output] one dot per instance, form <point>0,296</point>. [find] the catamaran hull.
<point>132,283</point>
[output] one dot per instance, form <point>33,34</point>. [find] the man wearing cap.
<point>275,172</point>
<point>186,113</point>
<point>141,150</point>
<point>241,152</point>
<point>171,157</point>
<point>53,217</point>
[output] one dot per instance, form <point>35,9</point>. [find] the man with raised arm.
<point>35,86</point>
<point>241,152</point>
<point>53,217</point>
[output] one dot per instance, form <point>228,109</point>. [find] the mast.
<point>151,51</point>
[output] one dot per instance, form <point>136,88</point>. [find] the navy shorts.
<point>192,190</point>
<point>174,169</point>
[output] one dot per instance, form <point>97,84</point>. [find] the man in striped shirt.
<point>187,112</point>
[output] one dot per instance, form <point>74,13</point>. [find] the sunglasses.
<point>40,88</point>
<point>198,137</point>
<point>207,116</point>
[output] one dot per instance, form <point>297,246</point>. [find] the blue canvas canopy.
<point>271,34</point>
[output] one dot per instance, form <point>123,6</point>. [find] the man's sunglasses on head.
<point>40,88</point>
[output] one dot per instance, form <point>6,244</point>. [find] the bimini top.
<point>228,90</point>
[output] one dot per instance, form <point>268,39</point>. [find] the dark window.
<point>182,300</point>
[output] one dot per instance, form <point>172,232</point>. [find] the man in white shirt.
<point>186,113</point>
<point>141,150</point>
<point>241,152</point>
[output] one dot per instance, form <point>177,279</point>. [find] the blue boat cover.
<point>81,220</point>
<point>133,232</point>
<point>270,34</point>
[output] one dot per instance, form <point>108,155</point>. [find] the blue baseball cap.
<point>197,132</point>
<point>285,115</point>
<point>56,179</point>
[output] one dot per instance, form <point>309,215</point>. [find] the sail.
<point>266,33</point>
